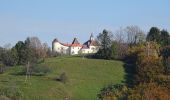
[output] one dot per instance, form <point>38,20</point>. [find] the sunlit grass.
<point>85,79</point>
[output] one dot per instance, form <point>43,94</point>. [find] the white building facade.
<point>91,46</point>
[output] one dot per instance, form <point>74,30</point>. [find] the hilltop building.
<point>90,46</point>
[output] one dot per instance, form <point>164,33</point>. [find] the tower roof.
<point>75,41</point>
<point>55,40</point>
<point>90,42</point>
<point>91,36</point>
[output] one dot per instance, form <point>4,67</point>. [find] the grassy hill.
<point>85,79</point>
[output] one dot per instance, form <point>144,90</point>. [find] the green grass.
<point>86,78</point>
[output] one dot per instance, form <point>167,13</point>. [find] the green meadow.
<point>86,77</point>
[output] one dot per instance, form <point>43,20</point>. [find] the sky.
<point>66,19</point>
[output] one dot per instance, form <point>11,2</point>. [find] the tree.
<point>113,50</point>
<point>33,52</point>
<point>114,92</point>
<point>165,52</point>
<point>105,40</point>
<point>149,91</point>
<point>147,63</point>
<point>1,51</point>
<point>120,43</point>
<point>120,36</point>
<point>20,47</point>
<point>125,37</point>
<point>149,69</point>
<point>10,57</point>
<point>2,67</point>
<point>44,50</point>
<point>35,43</point>
<point>153,35</point>
<point>164,38</point>
<point>134,35</point>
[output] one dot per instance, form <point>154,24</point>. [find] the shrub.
<point>63,78</point>
<point>114,92</point>
<point>148,69</point>
<point>40,70</point>
<point>37,70</point>
<point>12,92</point>
<point>9,57</point>
<point>149,91</point>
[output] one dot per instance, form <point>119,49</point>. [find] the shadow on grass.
<point>129,76</point>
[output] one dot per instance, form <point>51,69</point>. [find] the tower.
<point>91,37</point>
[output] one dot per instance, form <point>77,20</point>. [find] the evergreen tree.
<point>104,39</point>
<point>20,46</point>
<point>164,38</point>
<point>153,35</point>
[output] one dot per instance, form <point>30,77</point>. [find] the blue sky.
<point>66,19</point>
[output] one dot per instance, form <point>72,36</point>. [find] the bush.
<point>149,91</point>
<point>149,69</point>
<point>114,92</point>
<point>12,92</point>
<point>63,78</point>
<point>40,70</point>
<point>9,57</point>
<point>37,70</point>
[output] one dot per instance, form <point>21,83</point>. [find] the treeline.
<point>31,50</point>
<point>147,66</point>
<point>115,45</point>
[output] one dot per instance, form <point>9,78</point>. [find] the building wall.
<point>94,49</point>
<point>84,51</point>
<point>91,49</point>
<point>74,50</point>
<point>57,47</point>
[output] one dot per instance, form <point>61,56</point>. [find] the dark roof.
<point>55,40</point>
<point>94,43</point>
<point>89,43</point>
<point>85,47</point>
<point>75,41</point>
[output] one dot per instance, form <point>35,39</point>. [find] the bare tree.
<point>7,46</point>
<point>120,41</point>
<point>134,35</point>
<point>45,50</point>
<point>35,43</point>
<point>120,36</point>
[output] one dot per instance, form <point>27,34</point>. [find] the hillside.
<point>86,78</point>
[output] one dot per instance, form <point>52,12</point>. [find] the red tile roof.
<point>66,44</point>
<point>76,45</point>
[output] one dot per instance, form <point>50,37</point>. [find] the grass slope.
<point>86,78</point>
